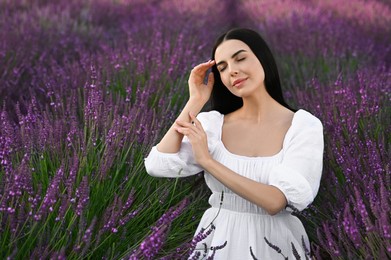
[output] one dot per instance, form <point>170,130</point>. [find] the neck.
<point>259,107</point>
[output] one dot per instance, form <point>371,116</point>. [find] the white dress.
<point>239,224</point>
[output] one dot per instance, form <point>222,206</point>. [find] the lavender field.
<point>88,87</point>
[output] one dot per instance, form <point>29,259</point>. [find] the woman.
<point>260,158</point>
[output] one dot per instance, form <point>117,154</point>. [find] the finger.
<point>187,128</point>
<point>184,124</point>
<point>185,131</point>
<point>196,121</point>
<point>190,124</point>
<point>193,119</point>
<point>197,124</point>
<point>211,80</point>
<point>204,66</point>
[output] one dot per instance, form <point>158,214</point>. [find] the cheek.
<point>260,71</point>
<point>224,79</point>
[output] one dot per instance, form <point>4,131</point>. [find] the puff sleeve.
<point>298,176</point>
<point>182,163</point>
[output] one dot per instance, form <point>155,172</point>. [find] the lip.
<point>238,81</point>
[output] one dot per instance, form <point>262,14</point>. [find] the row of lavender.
<point>87,89</point>
<point>338,66</point>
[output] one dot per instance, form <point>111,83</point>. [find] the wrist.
<point>207,163</point>
<point>194,106</point>
<point>196,102</point>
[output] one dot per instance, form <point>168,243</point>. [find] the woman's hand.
<point>197,138</point>
<point>197,89</point>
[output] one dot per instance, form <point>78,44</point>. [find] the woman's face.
<point>240,70</point>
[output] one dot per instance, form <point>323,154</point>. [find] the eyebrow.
<point>233,56</point>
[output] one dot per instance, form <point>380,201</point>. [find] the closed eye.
<point>221,69</point>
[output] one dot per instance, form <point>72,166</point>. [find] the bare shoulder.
<point>284,116</point>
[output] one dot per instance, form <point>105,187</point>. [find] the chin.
<point>242,93</point>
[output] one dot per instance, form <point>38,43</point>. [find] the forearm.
<point>266,196</point>
<point>171,142</point>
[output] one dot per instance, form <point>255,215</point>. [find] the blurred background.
<point>88,87</point>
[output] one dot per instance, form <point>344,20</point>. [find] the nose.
<point>233,70</point>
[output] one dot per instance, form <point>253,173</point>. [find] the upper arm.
<point>299,174</point>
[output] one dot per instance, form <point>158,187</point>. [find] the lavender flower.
<point>171,214</point>
<point>6,141</point>
<point>82,195</point>
<point>51,196</point>
<point>153,243</point>
<point>134,76</point>
<point>88,235</point>
<point>111,216</point>
<point>350,227</point>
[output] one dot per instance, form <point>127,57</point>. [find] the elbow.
<point>276,206</point>
<point>276,203</point>
<point>274,210</point>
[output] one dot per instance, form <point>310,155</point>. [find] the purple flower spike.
<point>51,196</point>
<point>82,195</point>
<point>154,242</point>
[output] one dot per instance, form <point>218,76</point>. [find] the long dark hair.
<point>222,99</point>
